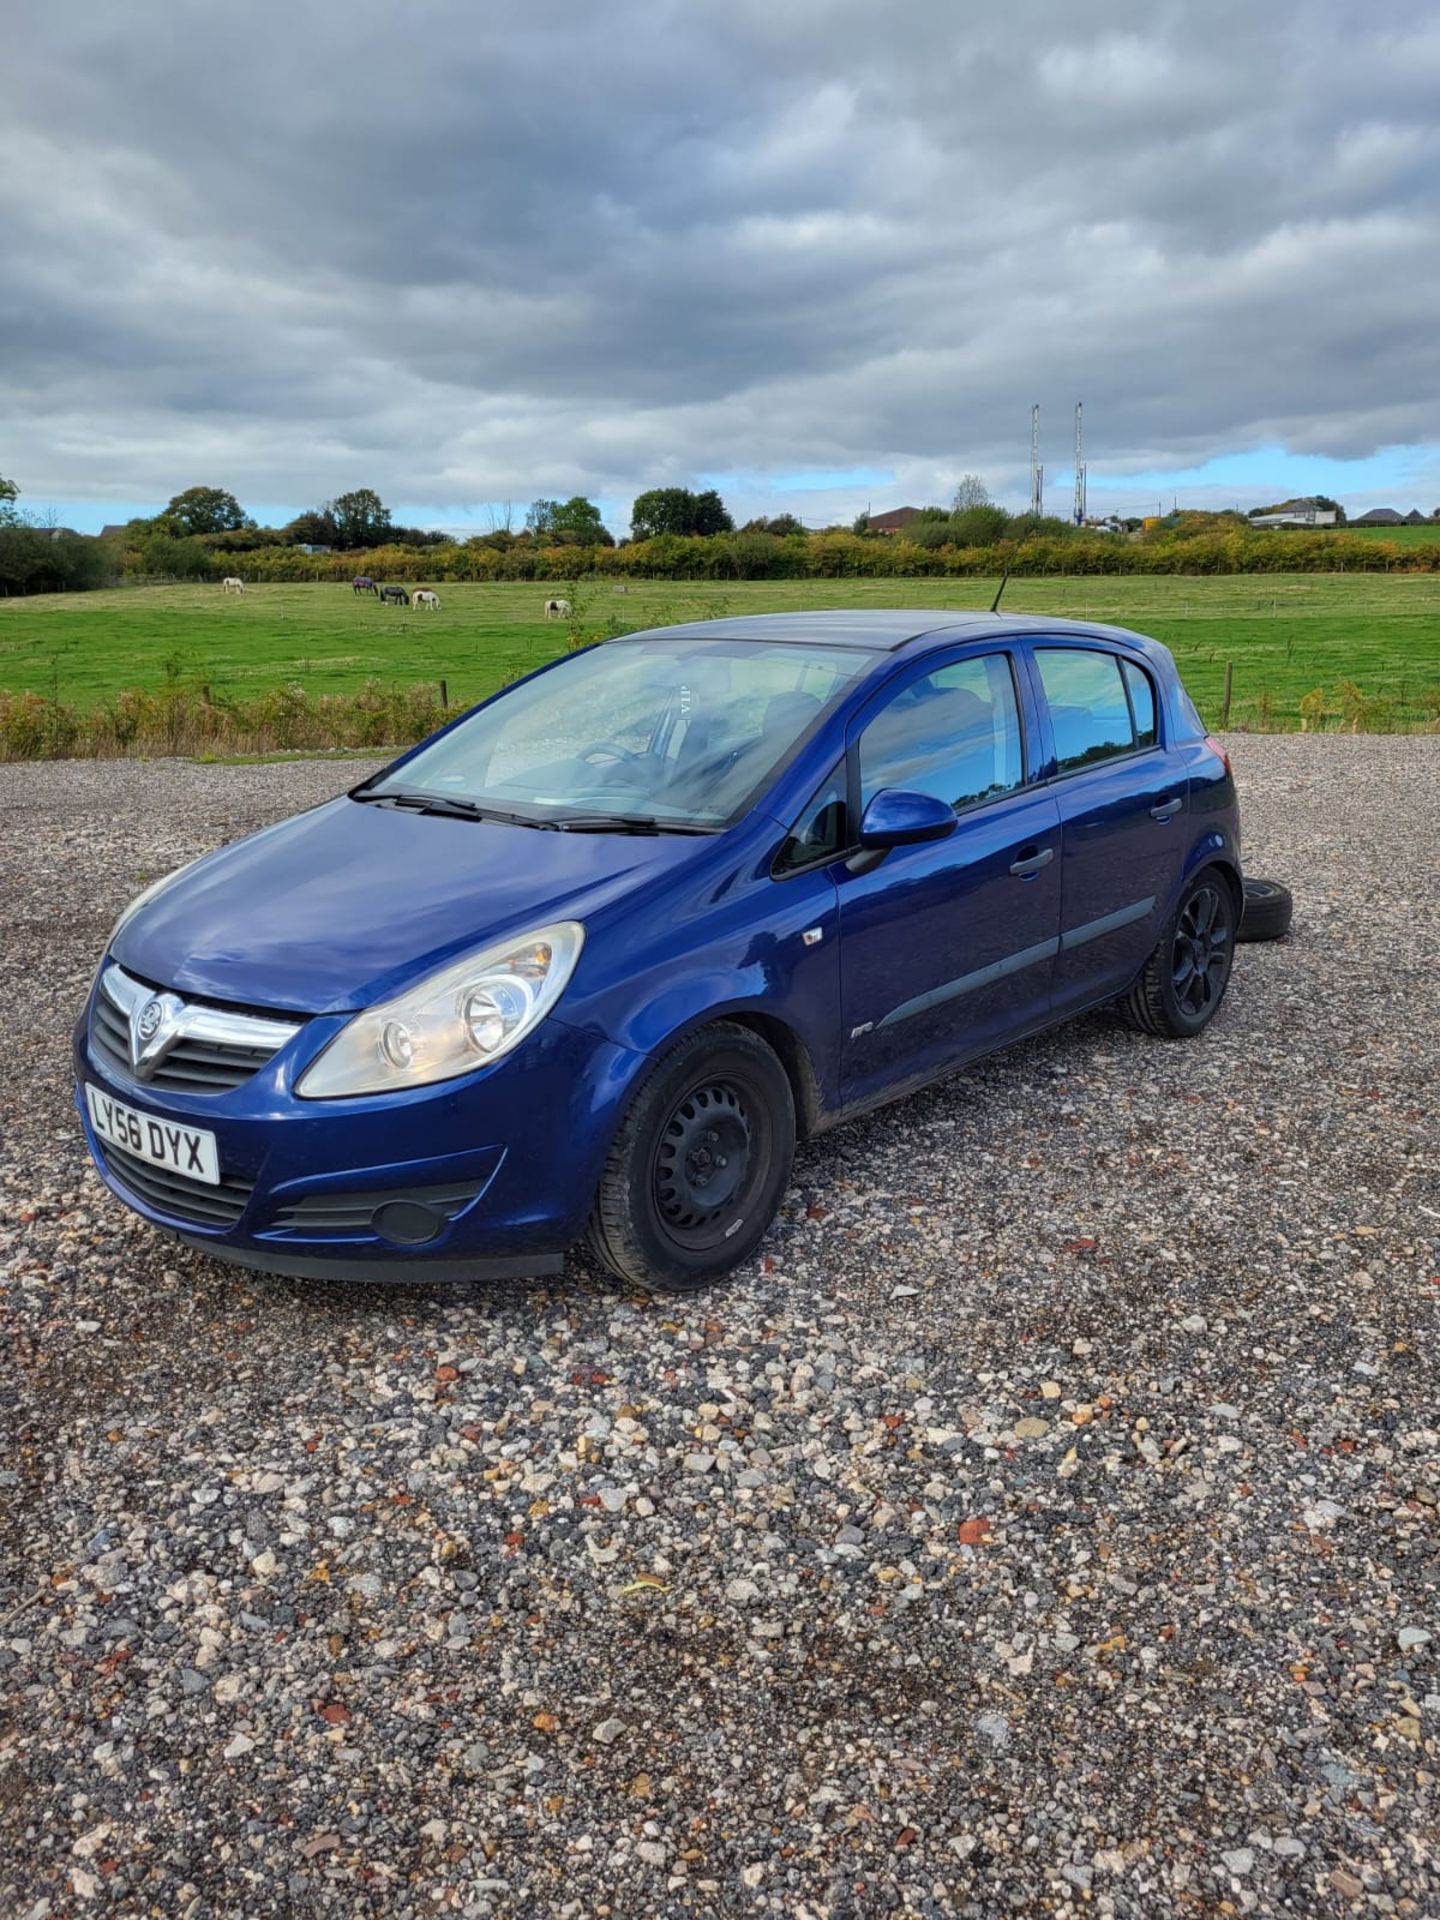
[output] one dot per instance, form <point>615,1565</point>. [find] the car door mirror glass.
<point>899,818</point>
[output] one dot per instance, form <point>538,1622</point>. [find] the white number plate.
<point>164,1143</point>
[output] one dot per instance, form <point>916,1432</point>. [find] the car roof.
<point>883,629</point>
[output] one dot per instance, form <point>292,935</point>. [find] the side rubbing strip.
<point>1096,929</point>
<point>968,982</point>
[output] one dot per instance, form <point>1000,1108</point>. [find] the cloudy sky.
<point>821,254</point>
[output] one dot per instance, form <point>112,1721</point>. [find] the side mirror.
<point>898,818</point>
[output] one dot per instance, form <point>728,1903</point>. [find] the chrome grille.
<point>176,1193</point>
<point>206,1049</point>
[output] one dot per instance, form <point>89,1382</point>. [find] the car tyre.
<point>1267,912</point>
<point>1181,985</point>
<point>697,1169</point>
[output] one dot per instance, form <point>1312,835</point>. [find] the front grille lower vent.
<point>176,1193</point>
<point>365,1213</point>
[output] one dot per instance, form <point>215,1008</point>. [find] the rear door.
<point>1121,790</point>
<point>946,948</point>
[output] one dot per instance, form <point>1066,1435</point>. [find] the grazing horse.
<point>396,596</point>
<point>362,583</point>
<point>232,584</point>
<point>558,609</point>
<point>423,597</point>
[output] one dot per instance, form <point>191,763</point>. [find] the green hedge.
<point>764,556</point>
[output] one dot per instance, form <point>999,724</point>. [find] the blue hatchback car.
<point>592,958</point>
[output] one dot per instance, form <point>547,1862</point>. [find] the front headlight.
<point>452,1022</point>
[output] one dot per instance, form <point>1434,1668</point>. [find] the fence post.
<point>444,698</point>
<point>1225,702</point>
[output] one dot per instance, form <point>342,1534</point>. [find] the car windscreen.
<point>679,734</point>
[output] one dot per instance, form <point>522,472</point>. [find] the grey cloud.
<point>466,255</point>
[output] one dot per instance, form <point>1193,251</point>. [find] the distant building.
<point>895,521</point>
<point>112,532</point>
<point>308,546</point>
<point>1380,517</point>
<point>1415,518</point>
<point>1297,513</point>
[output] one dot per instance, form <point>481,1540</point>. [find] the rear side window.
<point>1089,710</point>
<point>1142,702</point>
<point>954,734</point>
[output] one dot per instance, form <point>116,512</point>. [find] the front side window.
<point>955,734</point>
<point>681,733</point>
<point>1089,711</point>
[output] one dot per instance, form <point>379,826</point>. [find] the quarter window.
<point>1142,702</point>
<point>955,734</point>
<point>819,834</point>
<point>1089,711</point>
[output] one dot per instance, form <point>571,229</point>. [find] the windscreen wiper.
<point>624,823</point>
<point>449,805</point>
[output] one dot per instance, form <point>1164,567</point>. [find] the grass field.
<point>1426,536</point>
<point>1285,634</point>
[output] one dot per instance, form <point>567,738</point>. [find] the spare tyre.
<point>1268,907</point>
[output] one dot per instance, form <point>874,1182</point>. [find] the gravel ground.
<point>1047,1525</point>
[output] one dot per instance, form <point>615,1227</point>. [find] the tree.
<point>314,529</point>
<point>980,525</point>
<point>678,510</point>
<point>576,520</point>
<point>711,515</point>
<point>971,492</point>
<point>204,510</point>
<point>9,494</point>
<point>361,518</point>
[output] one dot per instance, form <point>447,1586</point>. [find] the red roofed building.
<point>895,521</point>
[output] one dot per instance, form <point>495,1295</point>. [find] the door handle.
<point>1166,810</point>
<point>1031,861</point>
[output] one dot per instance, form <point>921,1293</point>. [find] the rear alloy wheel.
<point>698,1167</point>
<point>1267,912</point>
<point>1184,980</point>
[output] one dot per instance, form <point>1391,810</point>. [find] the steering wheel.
<point>611,747</point>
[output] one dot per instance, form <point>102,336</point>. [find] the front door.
<point>946,948</point>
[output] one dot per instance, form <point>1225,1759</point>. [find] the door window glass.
<point>955,735</point>
<point>1142,702</point>
<point>819,834</point>
<point>1088,709</point>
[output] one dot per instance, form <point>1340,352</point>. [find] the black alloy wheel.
<point>1180,987</point>
<point>1200,953</point>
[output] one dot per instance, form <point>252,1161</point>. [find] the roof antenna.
<point>995,603</point>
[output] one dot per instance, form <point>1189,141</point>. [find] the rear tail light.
<point>1215,747</point>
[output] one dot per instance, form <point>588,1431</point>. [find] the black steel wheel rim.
<point>705,1162</point>
<point>1200,959</point>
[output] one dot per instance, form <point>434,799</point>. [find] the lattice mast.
<point>1079,468</point>
<point>1037,472</point>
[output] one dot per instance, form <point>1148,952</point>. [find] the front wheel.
<point>1183,982</point>
<point>698,1167</point>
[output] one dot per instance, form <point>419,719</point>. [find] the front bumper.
<point>493,1174</point>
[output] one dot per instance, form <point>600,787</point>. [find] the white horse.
<point>232,584</point>
<point>423,597</point>
<point>558,609</point>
